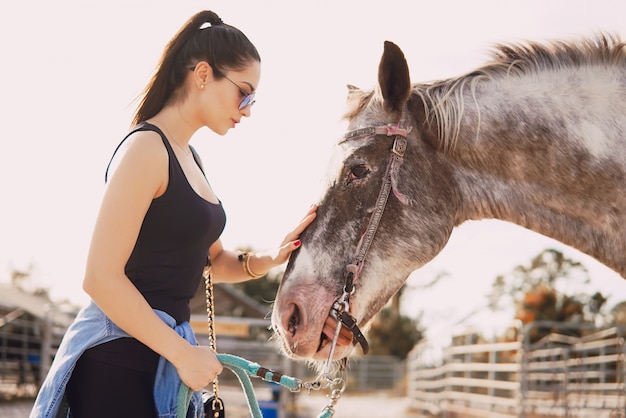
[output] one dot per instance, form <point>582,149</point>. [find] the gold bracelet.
<point>244,258</point>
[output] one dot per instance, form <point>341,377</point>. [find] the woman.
<point>158,222</point>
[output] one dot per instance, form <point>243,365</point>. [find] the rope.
<point>243,369</point>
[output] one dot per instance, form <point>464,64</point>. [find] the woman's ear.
<point>202,74</point>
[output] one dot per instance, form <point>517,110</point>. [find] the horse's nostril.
<point>293,320</point>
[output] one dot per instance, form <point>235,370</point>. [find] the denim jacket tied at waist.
<point>90,328</point>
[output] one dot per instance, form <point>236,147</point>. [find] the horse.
<point>536,136</point>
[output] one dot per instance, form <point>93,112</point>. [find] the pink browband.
<point>387,130</point>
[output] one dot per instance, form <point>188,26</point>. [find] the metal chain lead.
<point>336,385</point>
<point>210,311</point>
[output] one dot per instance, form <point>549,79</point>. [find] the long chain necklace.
<point>171,138</point>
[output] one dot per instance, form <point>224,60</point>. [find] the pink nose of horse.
<point>297,332</point>
<point>291,320</point>
<point>302,320</point>
<point>294,328</point>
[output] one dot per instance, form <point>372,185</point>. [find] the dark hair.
<point>203,38</point>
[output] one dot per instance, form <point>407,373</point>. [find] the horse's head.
<point>416,222</point>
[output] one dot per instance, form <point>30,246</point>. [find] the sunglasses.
<point>248,98</point>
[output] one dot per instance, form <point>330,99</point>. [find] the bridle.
<point>341,307</point>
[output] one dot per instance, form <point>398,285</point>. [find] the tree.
<point>618,314</point>
<point>549,268</point>
<point>534,289</point>
<point>392,333</point>
<point>262,290</point>
<point>24,280</point>
<point>544,304</point>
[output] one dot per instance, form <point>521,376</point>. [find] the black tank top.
<point>169,256</point>
<point>172,247</point>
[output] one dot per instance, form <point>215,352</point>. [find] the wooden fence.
<point>561,375</point>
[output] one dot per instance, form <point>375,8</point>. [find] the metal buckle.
<point>399,146</point>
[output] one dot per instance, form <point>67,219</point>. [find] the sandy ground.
<point>357,406</point>
<point>307,406</point>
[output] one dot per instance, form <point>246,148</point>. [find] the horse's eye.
<point>358,172</point>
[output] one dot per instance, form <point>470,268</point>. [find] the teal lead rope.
<point>243,369</point>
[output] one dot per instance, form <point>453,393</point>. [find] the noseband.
<point>341,307</point>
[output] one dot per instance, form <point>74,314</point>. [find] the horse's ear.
<point>355,95</point>
<point>353,89</point>
<point>393,77</point>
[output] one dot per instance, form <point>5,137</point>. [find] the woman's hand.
<point>198,367</point>
<point>227,268</point>
<point>291,241</point>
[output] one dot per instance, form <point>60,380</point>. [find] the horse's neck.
<point>555,171</point>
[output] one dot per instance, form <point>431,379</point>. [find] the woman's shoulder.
<point>143,142</point>
<point>143,149</point>
<point>145,139</point>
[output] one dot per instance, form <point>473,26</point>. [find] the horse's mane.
<point>444,100</point>
<point>534,56</point>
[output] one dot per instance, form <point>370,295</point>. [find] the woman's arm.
<point>227,267</point>
<point>140,176</point>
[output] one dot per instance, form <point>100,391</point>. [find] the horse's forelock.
<point>357,102</point>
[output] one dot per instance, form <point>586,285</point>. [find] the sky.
<point>72,70</point>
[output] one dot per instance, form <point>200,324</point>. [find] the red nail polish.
<point>297,243</point>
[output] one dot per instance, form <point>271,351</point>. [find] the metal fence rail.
<point>20,355</point>
<point>376,373</point>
